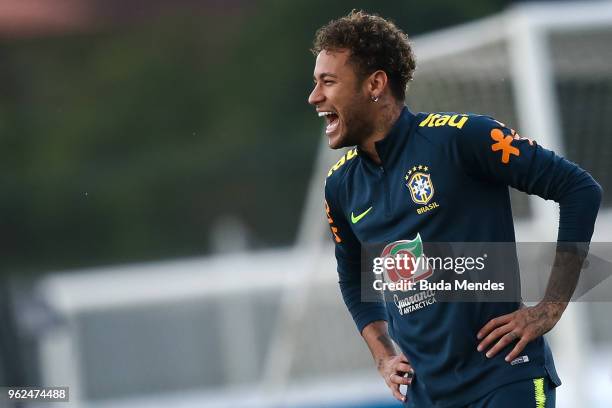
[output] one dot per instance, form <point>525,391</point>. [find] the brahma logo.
<point>409,262</point>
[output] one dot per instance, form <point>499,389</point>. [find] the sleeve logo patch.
<point>332,227</point>
<point>503,143</point>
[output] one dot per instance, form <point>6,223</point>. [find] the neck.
<point>387,115</point>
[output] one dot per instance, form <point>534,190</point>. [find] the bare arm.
<point>380,344</point>
<point>390,365</point>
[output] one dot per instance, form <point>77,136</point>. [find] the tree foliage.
<point>126,145</point>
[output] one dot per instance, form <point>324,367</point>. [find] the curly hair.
<point>374,43</point>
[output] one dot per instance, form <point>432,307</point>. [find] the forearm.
<point>577,213</point>
<point>376,336</point>
<point>562,282</point>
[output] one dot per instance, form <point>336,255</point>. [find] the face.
<point>341,99</point>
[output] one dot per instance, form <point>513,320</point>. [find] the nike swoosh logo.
<point>356,219</point>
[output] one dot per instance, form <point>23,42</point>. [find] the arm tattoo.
<point>388,345</point>
<point>386,341</point>
<point>564,277</point>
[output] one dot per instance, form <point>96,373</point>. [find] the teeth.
<point>325,113</point>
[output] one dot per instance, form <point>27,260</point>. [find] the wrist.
<point>553,309</point>
<point>381,361</point>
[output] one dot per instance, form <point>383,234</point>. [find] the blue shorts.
<point>536,393</point>
<point>533,393</point>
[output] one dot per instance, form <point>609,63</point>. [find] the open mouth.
<point>332,120</point>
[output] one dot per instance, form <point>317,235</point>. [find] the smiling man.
<point>408,180</point>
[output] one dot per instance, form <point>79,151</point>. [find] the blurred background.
<point>163,237</point>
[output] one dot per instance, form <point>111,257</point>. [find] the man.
<point>439,178</point>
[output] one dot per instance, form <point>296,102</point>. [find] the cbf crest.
<point>420,185</point>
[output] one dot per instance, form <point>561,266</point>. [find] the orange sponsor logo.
<point>333,228</point>
<point>504,143</point>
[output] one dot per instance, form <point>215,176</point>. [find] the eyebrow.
<point>324,74</point>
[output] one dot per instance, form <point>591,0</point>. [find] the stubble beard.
<point>358,125</point>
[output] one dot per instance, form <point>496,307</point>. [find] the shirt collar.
<point>389,148</point>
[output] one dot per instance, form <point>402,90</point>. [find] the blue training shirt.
<point>468,162</point>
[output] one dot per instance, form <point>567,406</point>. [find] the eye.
<point>328,82</point>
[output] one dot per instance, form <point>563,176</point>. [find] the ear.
<point>377,83</point>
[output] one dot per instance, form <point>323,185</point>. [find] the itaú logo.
<point>403,262</point>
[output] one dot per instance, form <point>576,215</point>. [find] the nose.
<point>316,96</point>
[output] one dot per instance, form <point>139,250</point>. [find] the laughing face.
<point>342,99</point>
